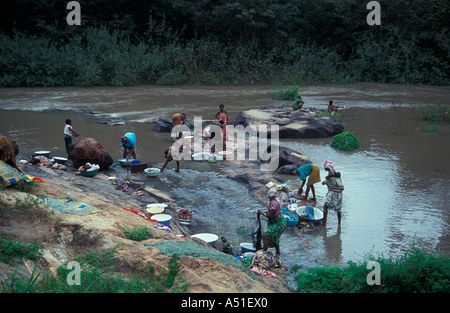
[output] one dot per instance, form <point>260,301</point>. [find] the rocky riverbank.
<point>64,236</point>
<point>303,123</point>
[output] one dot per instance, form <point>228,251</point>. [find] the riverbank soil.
<point>65,236</point>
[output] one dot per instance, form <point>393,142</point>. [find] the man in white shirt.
<point>68,133</point>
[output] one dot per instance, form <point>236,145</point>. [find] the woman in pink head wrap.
<point>335,188</point>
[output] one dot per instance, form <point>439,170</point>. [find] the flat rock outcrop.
<point>303,123</point>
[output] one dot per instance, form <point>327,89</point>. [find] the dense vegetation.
<point>345,141</point>
<point>416,271</point>
<point>129,42</point>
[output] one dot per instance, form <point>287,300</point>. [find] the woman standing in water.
<point>312,172</point>
<point>276,223</point>
<point>335,188</point>
<point>222,119</point>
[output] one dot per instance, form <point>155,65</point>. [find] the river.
<point>396,184</point>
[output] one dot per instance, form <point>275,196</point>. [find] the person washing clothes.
<point>129,145</point>
<point>276,223</point>
<point>169,153</point>
<point>334,196</point>
<point>178,119</point>
<point>68,133</point>
<point>312,171</point>
<point>331,107</point>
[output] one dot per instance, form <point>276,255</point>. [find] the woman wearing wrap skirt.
<point>312,171</point>
<point>276,223</point>
<point>334,196</point>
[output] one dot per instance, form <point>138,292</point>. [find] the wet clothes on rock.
<point>284,200</point>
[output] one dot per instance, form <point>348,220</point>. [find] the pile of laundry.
<point>122,184</point>
<point>262,262</point>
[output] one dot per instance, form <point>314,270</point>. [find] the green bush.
<point>415,271</point>
<point>345,141</point>
<point>287,94</point>
<point>334,115</point>
<point>13,251</point>
<point>435,114</point>
<point>137,233</point>
<point>223,42</point>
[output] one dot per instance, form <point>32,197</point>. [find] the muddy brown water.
<point>396,184</point>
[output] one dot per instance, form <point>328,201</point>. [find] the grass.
<point>137,233</point>
<point>334,115</point>
<point>13,251</point>
<point>286,94</point>
<point>24,206</point>
<point>435,114</point>
<point>414,272</point>
<point>98,275</point>
<point>345,141</point>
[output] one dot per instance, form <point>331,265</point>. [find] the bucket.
<point>185,216</point>
<point>162,219</point>
<point>153,210</point>
<point>247,247</point>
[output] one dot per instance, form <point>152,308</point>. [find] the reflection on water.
<point>396,185</point>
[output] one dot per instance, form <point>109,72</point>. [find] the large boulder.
<point>289,159</point>
<point>88,150</point>
<point>165,125</point>
<point>304,123</point>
